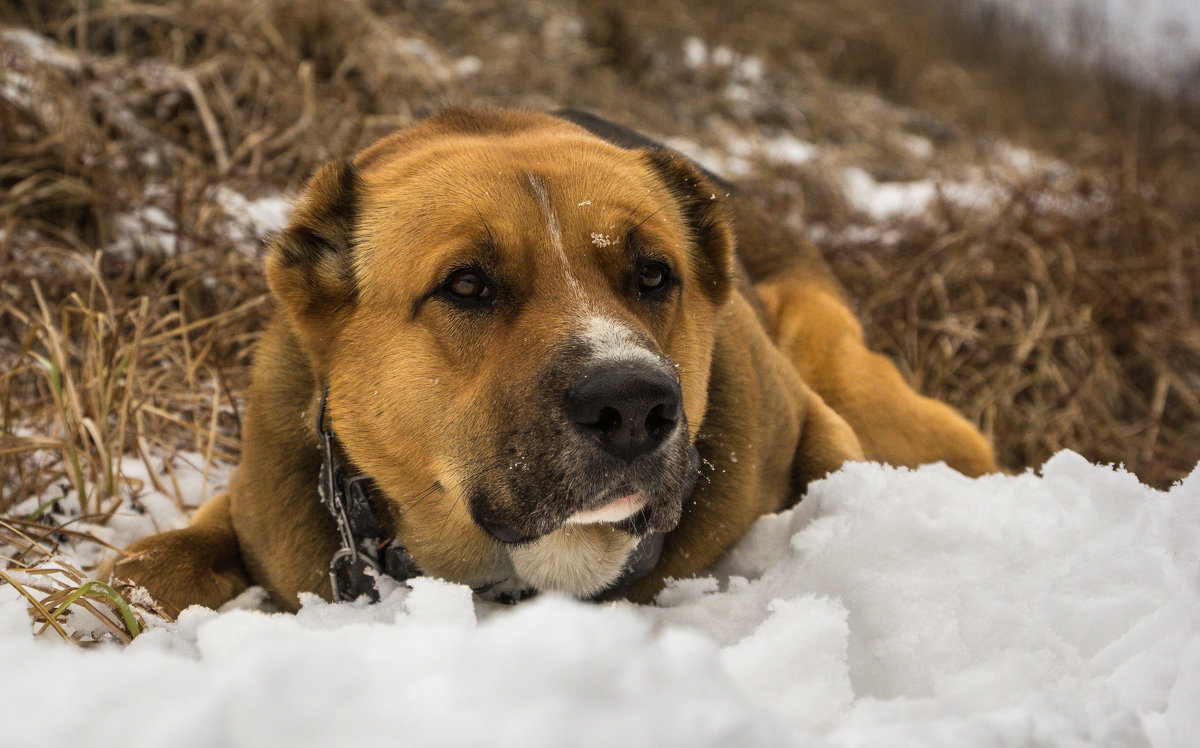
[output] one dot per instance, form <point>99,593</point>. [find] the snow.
<point>1155,43</point>
<point>245,224</point>
<point>148,226</point>
<point>41,49</point>
<point>892,607</point>
<point>1011,171</point>
<point>884,200</point>
<point>26,58</point>
<point>249,221</point>
<point>695,52</point>
<point>738,152</point>
<point>157,496</point>
<point>742,67</point>
<point>438,66</point>
<point>719,160</point>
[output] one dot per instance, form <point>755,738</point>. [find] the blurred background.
<point>1009,190</point>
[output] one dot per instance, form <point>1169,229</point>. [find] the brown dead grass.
<point>56,590</point>
<point>1050,329</point>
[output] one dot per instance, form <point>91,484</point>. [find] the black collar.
<point>365,552</point>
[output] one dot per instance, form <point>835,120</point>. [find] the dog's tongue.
<point>614,511</point>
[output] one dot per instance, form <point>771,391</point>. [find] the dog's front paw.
<point>179,569</point>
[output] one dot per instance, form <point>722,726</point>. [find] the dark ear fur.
<point>309,265</point>
<point>700,202</point>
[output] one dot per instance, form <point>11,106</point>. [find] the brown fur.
<point>439,406</point>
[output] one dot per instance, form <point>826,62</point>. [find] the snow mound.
<point>892,607</point>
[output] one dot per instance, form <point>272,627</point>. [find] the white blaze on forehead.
<point>610,339</point>
<point>553,229</point>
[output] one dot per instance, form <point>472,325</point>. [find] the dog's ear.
<point>700,201</point>
<point>309,266</point>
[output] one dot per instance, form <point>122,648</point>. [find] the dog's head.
<point>515,320</point>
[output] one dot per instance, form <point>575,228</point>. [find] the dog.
<point>543,353</point>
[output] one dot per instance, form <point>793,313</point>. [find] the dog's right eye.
<point>468,285</point>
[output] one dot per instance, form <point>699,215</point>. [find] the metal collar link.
<point>363,549</point>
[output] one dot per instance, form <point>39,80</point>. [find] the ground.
<point>1019,231</point>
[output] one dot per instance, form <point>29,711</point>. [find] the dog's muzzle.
<point>617,453</point>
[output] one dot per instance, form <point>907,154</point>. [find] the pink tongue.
<point>623,501</point>
<point>614,511</point>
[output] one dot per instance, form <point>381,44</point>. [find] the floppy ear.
<point>700,201</point>
<point>309,266</point>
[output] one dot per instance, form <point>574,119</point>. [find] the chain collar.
<point>365,553</point>
<point>363,546</point>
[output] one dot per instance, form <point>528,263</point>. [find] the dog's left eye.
<point>468,284</point>
<point>652,277</point>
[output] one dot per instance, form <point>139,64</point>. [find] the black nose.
<point>629,409</point>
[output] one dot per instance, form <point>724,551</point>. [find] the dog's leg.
<point>198,565</point>
<point>824,341</point>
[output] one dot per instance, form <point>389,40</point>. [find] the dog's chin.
<point>580,560</point>
<point>588,552</point>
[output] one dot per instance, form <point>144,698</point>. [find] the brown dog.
<point>541,345</point>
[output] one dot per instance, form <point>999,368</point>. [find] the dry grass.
<point>96,377</point>
<point>56,591</point>
<point>1049,327</point>
<point>1053,329</point>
